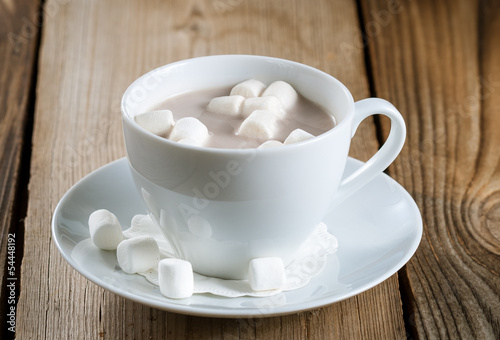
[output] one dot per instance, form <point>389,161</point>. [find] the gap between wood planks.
<point>404,285</point>
<point>369,70</point>
<point>21,194</point>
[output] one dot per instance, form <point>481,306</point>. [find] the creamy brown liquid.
<point>304,115</point>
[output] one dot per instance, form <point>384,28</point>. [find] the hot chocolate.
<point>223,128</point>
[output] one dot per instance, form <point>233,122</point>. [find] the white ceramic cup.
<point>220,208</point>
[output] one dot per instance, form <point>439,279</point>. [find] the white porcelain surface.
<point>378,230</point>
<point>250,203</point>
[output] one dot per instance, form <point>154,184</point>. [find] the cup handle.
<point>384,156</point>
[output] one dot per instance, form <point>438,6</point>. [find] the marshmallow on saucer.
<point>297,135</point>
<point>189,128</point>
<point>269,103</point>
<point>266,273</point>
<point>105,230</point>
<point>248,89</point>
<point>284,92</point>
<point>138,254</point>
<point>228,105</point>
<point>260,124</point>
<point>158,122</point>
<point>270,144</point>
<point>176,278</point>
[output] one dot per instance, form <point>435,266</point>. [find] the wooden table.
<point>65,67</point>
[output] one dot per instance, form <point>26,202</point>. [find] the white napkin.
<point>309,262</point>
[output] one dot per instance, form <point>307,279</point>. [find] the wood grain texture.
<point>439,63</point>
<point>91,51</point>
<point>18,42</point>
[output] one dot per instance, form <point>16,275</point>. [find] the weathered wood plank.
<point>90,52</point>
<point>19,29</point>
<point>439,62</point>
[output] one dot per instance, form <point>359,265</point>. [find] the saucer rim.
<point>228,312</point>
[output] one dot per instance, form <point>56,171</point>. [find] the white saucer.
<point>378,230</point>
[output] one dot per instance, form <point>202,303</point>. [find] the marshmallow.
<point>189,128</point>
<point>260,124</point>
<point>248,89</point>
<point>188,141</point>
<point>138,254</point>
<point>270,144</point>
<point>297,135</point>
<point>105,230</point>
<point>228,105</point>
<point>176,278</point>
<point>284,92</point>
<point>266,273</point>
<point>158,122</point>
<point>269,103</point>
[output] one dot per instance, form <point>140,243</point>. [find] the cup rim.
<point>142,131</point>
